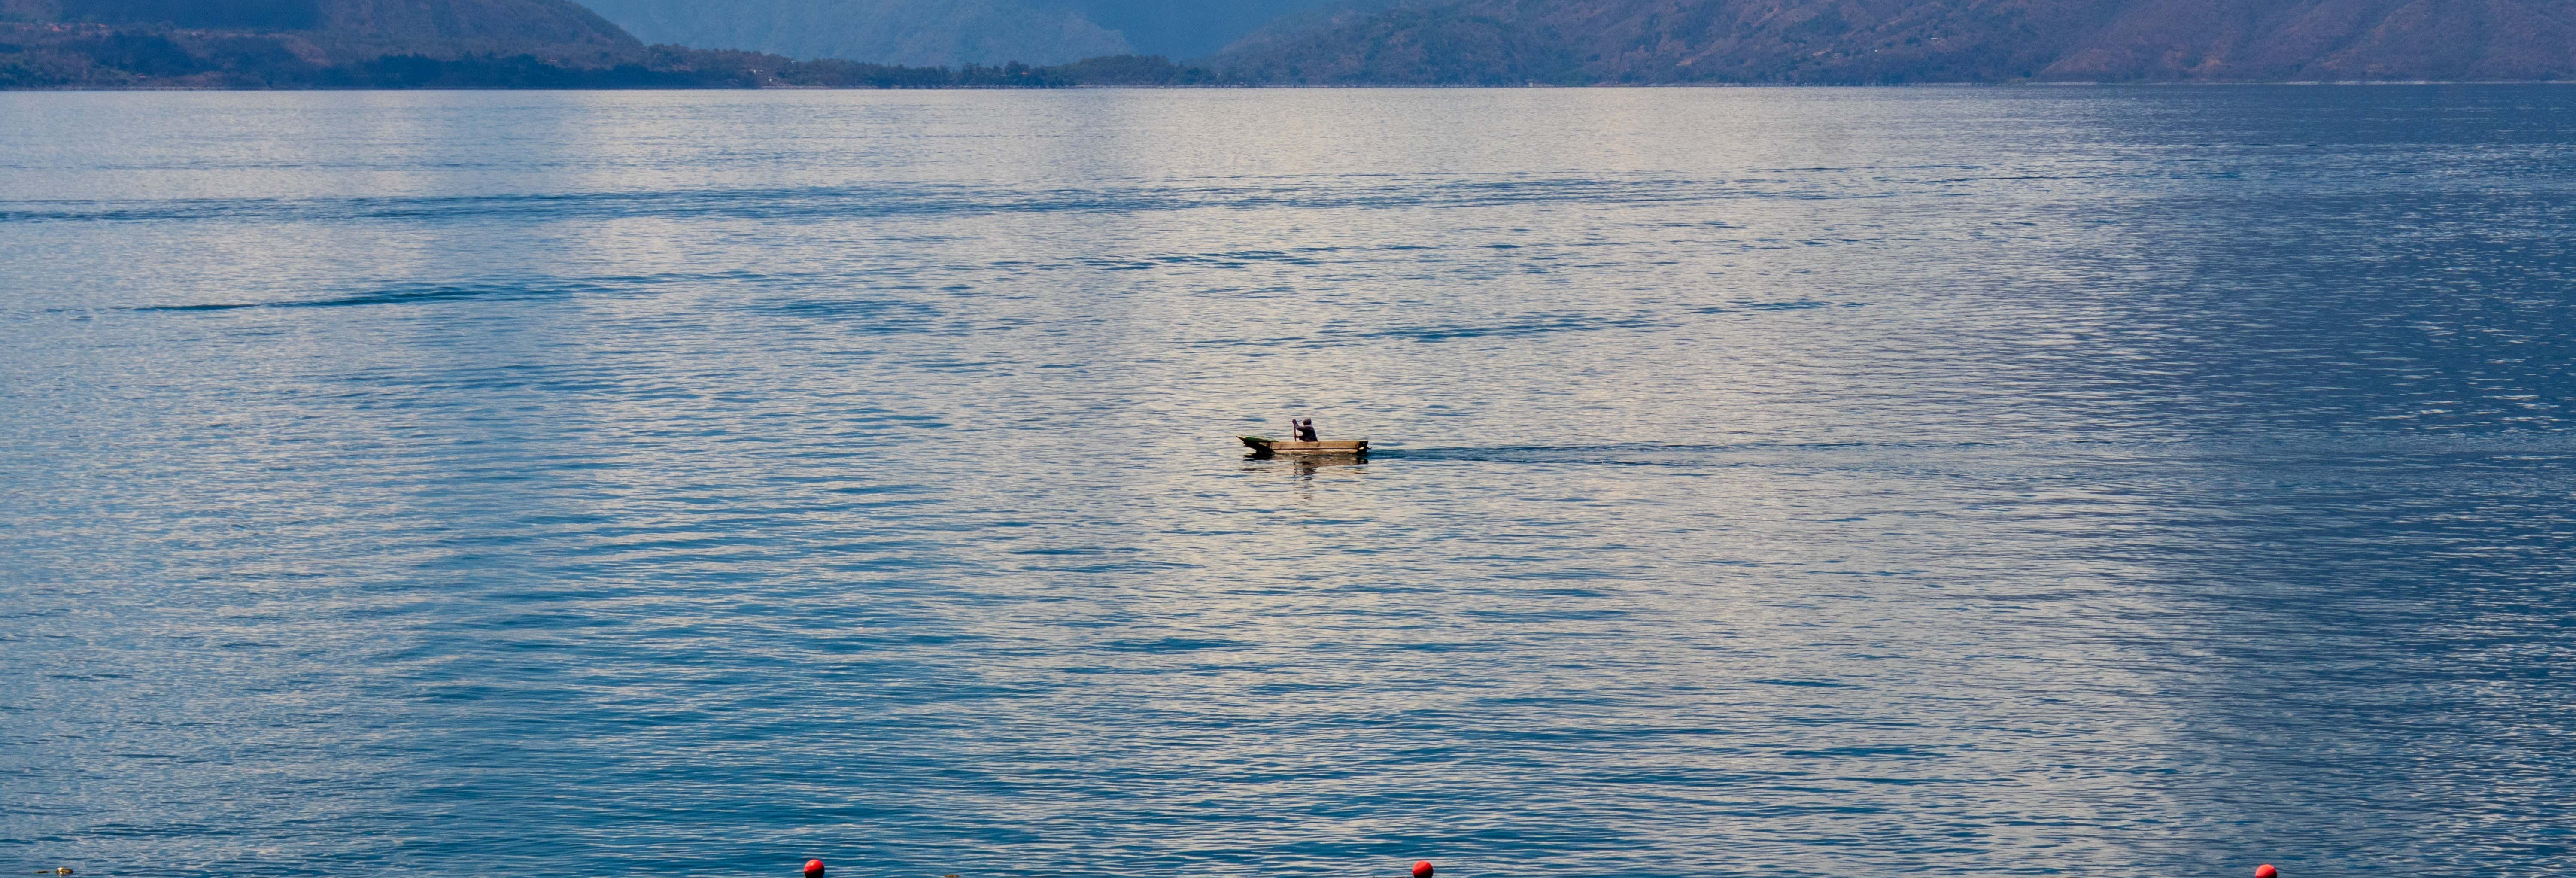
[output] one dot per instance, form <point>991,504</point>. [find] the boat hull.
<point>1264,447</point>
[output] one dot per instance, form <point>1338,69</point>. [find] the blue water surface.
<point>1832,482</point>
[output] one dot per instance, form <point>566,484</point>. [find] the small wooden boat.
<point>1264,446</point>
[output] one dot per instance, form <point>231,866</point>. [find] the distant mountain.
<point>441,44</point>
<point>1902,41</point>
<point>917,32</point>
<point>557,44</point>
<point>1184,28</point>
<point>324,31</point>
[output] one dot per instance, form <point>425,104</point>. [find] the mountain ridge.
<point>440,44</point>
<point>560,44</point>
<point>341,30</point>
<point>1918,41</point>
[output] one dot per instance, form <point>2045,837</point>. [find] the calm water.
<point>1773,482</point>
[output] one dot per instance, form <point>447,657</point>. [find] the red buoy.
<point>2266,871</point>
<point>813,869</point>
<point>1423,870</point>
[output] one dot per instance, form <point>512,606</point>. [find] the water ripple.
<point>1782,482</point>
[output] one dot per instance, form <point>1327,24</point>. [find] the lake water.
<point>1831,482</point>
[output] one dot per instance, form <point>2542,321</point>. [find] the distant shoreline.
<point>1295,86</point>
<point>94,58</point>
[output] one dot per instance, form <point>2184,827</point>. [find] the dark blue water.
<point>1772,482</point>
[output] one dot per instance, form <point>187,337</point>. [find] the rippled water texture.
<point>1772,482</point>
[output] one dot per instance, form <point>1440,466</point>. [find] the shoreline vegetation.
<point>131,62</point>
<point>679,68</point>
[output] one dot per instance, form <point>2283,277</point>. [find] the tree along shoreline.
<point>141,62</point>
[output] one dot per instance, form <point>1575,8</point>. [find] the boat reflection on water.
<point>1306,467</point>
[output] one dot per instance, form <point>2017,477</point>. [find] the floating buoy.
<point>813,869</point>
<point>2266,871</point>
<point>1423,870</point>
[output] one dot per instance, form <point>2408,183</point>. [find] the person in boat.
<point>1304,430</point>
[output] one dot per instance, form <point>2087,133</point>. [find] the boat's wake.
<point>1716,455</point>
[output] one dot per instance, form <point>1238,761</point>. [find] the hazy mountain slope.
<point>470,23</point>
<point>1183,28</point>
<point>920,32</point>
<point>1842,41</point>
<point>1442,45</point>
